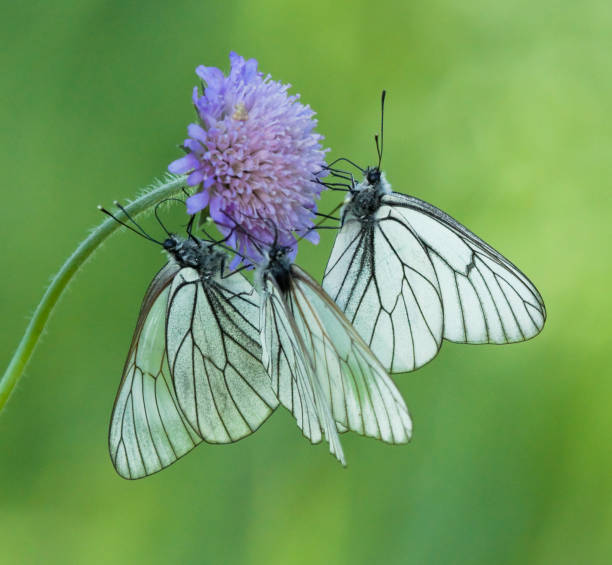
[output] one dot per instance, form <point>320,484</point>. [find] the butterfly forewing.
<point>290,367</point>
<point>215,356</point>
<point>362,396</point>
<point>408,275</point>
<point>380,275</point>
<point>148,431</point>
<point>486,298</point>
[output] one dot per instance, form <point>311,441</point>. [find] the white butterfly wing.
<point>486,298</point>
<point>215,356</point>
<point>148,431</point>
<point>289,366</point>
<point>380,275</point>
<point>362,396</point>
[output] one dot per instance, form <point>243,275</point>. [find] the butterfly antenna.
<point>379,149</point>
<point>255,244</point>
<point>189,228</point>
<point>257,218</point>
<point>139,231</point>
<point>221,242</point>
<point>270,223</point>
<point>127,215</point>
<point>210,237</point>
<point>155,211</point>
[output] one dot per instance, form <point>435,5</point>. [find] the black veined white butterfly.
<point>407,275</point>
<point>193,371</point>
<point>321,369</point>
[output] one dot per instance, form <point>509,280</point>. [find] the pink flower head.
<point>254,157</point>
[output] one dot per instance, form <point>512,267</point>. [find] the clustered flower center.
<point>253,156</point>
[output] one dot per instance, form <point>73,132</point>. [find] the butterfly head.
<point>372,176</point>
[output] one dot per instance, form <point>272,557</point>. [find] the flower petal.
<point>197,132</point>
<point>184,164</point>
<point>195,178</point>
<point>197,202</point>
<point>312,236</point>
<point>250,70</point>
<point>236,61</point>
<point>217,213</point>
<point>211,76</point>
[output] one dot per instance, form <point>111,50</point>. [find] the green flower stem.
<point>59,283</point>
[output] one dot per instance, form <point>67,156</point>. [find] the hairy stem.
<point>61,280</point>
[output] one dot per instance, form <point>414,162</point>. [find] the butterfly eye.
<point>169,244</point>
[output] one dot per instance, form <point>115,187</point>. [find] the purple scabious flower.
<point>254,157</point>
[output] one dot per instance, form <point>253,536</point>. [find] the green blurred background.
<point>497,112</point>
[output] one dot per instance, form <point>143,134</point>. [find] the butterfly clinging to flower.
<point>321,369</point>
<point>408,275</point>
<point>193,371</point>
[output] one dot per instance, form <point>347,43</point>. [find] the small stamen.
<point>240,112</point>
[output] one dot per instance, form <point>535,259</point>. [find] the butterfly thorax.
<point>197,254</point>
<point>279,267</point>
<point>365,199</point>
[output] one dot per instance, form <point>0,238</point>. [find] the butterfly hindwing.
<point>362,396</point>
<point>290,367</point>
<point>148,431</point>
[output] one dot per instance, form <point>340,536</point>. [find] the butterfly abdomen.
<point>282,276</point>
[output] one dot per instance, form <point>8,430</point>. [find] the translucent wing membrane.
<point>486,298</point>
<point>410,275</point>
<point>380,275</point>
<point>148,431</point>
<point>215,356</point>
<point>362,397</point>
<point>290,367</point>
